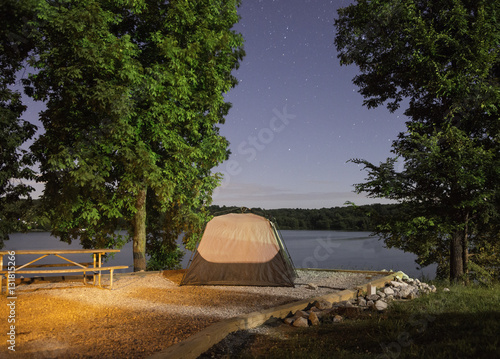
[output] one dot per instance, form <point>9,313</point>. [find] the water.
<point>349,250</point>
<point>308,249</point>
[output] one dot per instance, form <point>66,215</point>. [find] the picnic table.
<point>42,253</point>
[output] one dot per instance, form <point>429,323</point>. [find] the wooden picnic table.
<point>42,253</point>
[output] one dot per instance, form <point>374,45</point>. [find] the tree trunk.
<point>465,248</point>
<point>456,257</point>
<point>139,240</point>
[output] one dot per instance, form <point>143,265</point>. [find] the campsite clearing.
<point>143,314</point>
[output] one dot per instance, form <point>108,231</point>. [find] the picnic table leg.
<point>99,271</point>
<point>111,278</point>
<point>1,277</point>
<point>93,276</point>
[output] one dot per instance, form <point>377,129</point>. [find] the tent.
<point>240,249</point>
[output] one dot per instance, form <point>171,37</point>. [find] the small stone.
<point>373,297</point>
<point>312,286</point>
<point>381,294</point>
<point>322,304</point>
<point>446,289</point>
<point>313,318</point>
<point>388,291</point>
<point>369,303</point>
<point>300,314</point>
<point>380,305</point>
<point>289,320</point>
<point>405,292</point>
<point>301,322</point>
<point>337,319</point>
<point>349,304</point>
<point>433,288</point>
<point>362,302</point>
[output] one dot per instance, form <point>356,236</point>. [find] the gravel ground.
<point>143,314</point>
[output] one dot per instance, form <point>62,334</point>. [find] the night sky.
<point>296,117</point>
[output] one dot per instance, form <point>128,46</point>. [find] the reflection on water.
<point>308,249</point>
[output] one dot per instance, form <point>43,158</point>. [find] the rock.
<point>373,297</point>
<point>446,289</point>
<point>389,298</point>
<point>433,288</point>
<point>369,303</point>
<point>322,304</point>
<point>380,305</point>
<point>301,322</point>
<point>405,292</point>
<point>362,302</point>
<point>289,320</point>
<point>300,314</point>
<point>388,291</point>
<point>312,286</point>
<point>381,294</point>
<point>313,318</point>
<point>398,284</point>
<point>349,304</point>
<point>337,319</point>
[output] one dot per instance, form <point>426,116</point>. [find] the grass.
<point>462,323</point>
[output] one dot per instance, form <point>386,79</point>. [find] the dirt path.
<point>143,314</point>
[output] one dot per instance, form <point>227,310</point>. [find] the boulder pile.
<point>398,289</point>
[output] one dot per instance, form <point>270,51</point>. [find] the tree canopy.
<point>15,162</point>
<point>134,94</point>
<point>440,59</point>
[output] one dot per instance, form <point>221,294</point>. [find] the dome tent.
<point>240,249</point>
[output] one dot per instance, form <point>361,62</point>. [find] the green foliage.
<point>14,131</point>
<point>431,326</point>
<point>443,57</point>
<point>134,94</point>
<point>163,258</point>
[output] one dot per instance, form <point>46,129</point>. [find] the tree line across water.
<point>348,218</point>
<point>355,218</point>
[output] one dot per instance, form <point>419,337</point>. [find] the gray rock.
<point>433,288</point>
<point>289,320</point>
<point>349,304</point>
<point>312,286</point>
<point>388,291</point>
<point>405,292</point>
<point>322,304</point>
<point>381,294</point>
<point>301,314</point>
<point>362,302</point>
<point>373,297</point>
<point>446,289</point>
<point>380,305</point>
<point>369,303</point>
<point>301,322</point>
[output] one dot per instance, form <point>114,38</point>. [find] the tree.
<point>15,162</point>
<point>442,57</point>
<point>134,95</point>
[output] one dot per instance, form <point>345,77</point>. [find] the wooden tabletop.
<point>59,251</point>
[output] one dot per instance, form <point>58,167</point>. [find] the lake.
<point>308,249</point>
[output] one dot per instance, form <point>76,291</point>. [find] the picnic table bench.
<point>42,253</point>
